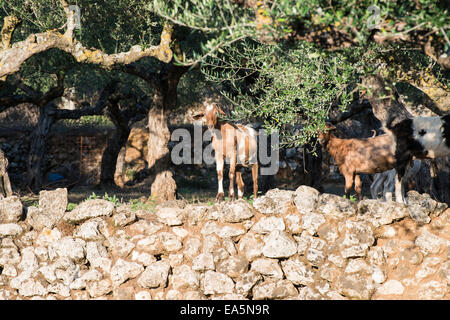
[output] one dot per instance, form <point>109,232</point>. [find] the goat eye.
<point>422,132</point>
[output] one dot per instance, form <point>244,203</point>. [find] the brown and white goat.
<point>357,156</point>
<point>234,143</point>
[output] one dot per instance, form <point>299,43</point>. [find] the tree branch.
<point>12,57</point>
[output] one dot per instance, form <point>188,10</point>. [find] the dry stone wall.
<point>287,245</point>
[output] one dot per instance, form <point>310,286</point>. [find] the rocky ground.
<point>287,245</point>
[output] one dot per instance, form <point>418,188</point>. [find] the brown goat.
<point>234,143</point>
<point>356,156</point>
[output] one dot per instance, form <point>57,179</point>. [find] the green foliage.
<point>71,206</point>
<point>112,199</point>
<point>225,22</point>
<point>137,204</point>
<point>106,197</point>
<point>352,198</point>
<point>284,86</point>
<point>93,196</point>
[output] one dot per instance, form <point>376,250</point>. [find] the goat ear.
<point>220,111</point>
<point>198,116</point>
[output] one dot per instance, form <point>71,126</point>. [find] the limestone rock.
<point>124,270</point>
<point>10,229</point>
<point>216,283</point>
<point>10,209</point>
<point>90,209</point>
<point>279,245</point>
<point>306,199</point>
<point>155,275</point>
<point>275,201</point>
<point>234,212</point>
<point>266,225</point>
<point>280,289</point>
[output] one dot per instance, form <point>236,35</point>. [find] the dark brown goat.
<point>356,156</point>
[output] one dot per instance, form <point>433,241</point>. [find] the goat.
<point>384,182</point>
<point>357,156</point>
<point>234,143</point>
<point>418,138</point>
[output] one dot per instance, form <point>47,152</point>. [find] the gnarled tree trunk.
<point>36,157</point>
<point>164,101</point>
<point>5,184</point>
<point>115,144</point>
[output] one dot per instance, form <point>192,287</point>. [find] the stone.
<point>170,216</point>
<point>124,270</point>
<point>381,213</point>
<point>251,245</point>
<point>9,270</point>
<point>298,271</point>
<point>294,223</point>
<point>229,231</point>
<point>143,227</point>
<point>213,282</point>
<point>150,244</point>
<point>355,286</point>
<point>9,256</point>
<point>143,295</point>
<point>335,206</point>
<point>75,249</point>
<point>315,253</point>
<point>312,221</point>
<point>11,209</point>
<point>59,288</point>
<point>275,201</point>
<point>155,275</point>
<point>181,233</point>
<point>432,290</point>
<point>123,216</point>
<point>53,204</point>
<point>29,261</point>
<point>184,278</point>
<point>143,258</point>
<point>393,287</point>
<point>28,287</point>
<point>47,237</point>
<point>279,245</point>
<point>417,213</point>
<point>246,281</point>
<point>10,229</point>
<point>328,232</point>
<point>424,201</point>
<point>234,212</point>
<point>267,267</point>
<point>170,242</point>
<point>120,246</point>
<point>429,243</point>
<point>203,262</point>
<point>271,289</point>
<point>306,199</point>
<point>233,266</point>
<point>195,214</point>
<point>90,230</point>
<point>192,247</point>
<point>266,225</point>
<point>378,275</point>
<point>97,256</point>
<point>358,265</point>
<point>90,209</point>
<point>99,288</point>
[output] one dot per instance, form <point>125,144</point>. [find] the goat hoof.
<point>219,197</point>
<point>231,197</point>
